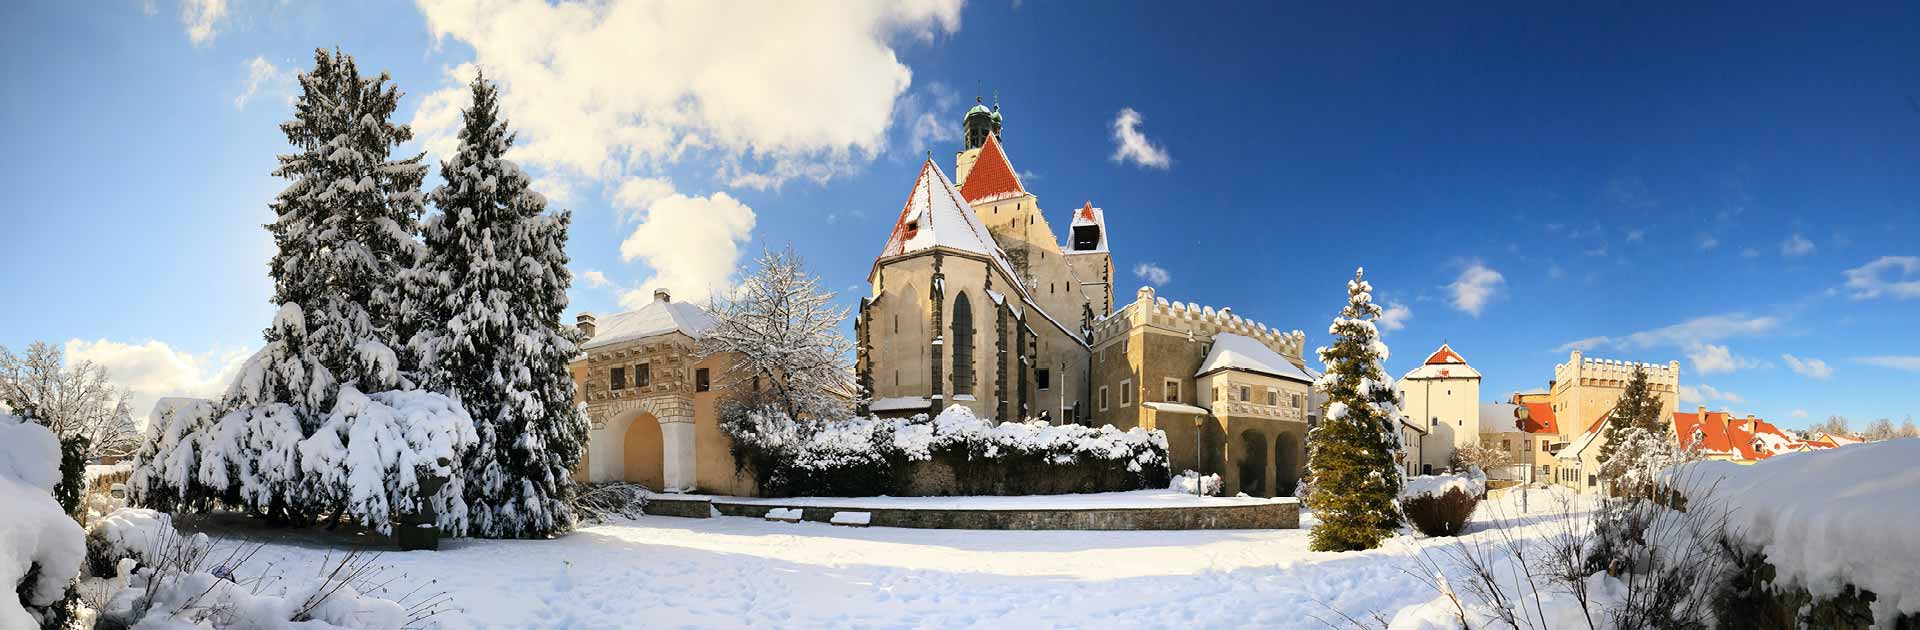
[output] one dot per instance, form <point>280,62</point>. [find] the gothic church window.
<point>962,345</point>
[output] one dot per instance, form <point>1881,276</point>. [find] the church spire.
<point>980,122</point>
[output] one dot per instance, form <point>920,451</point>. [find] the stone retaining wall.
<point>1257,516</point>
<point>687,507</point>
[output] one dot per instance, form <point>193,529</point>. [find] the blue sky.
<point>1734,188</point>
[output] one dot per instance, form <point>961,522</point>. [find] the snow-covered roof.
<point>1443,363</point>
<point>1174,407</point>
<point>661,316</point>
<point>935,215</point>
<point>1239,352</point>
<point>1088,215</point>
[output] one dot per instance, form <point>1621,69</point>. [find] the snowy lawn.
<point>733,572</point>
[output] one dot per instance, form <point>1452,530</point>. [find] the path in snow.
<point>730,572</point>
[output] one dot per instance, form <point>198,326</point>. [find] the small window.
<point>1273,398</point>
<point>1103,398</point>
<point>896,323</point>
<point>1246,394</point>
<point>1296,401</point>
<point>1459,422</point>
<point>1043,379</point>
<point>896,378</point>
<point>643,375</point>
<point>1172,387</point>
<point>1543,445</point>
<point>1433,422</point>
<point>619,378</point>
<point>701,384</point>
<point>1506,445</point>
<point>1591,482</point>
<point>1126,392</point>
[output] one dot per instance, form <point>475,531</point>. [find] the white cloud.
<point>1153,274</point>
<point>1798,413</point>
<point>1555,271</point>
<point>1796,245</point>
<point>1809,367</point>
<point>1133,146</point>
<point>1635,236</point>
<point>593,278</point>
<point>1477,285</point>
<point>637,194</point>
<point>261,74</point>
<point>1394,316</point>
<point>1892,276</point>
<point>1750,253</point>
<point>153,370</point>
<point>929,116</point>
<point>1711,359</point>
<point>615,89</point>
<point>1908,363</point>
<point>691,243</point>
<point>1703,393</point>
<point>1684,334</point>
<point>202,18</point>
<point>1708,242</point>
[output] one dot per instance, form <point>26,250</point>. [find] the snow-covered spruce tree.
<point>485,302</point>
<point>1350,454</point>
<point>344,230</point>
<point>1638,408</point>
<point>784,333</point>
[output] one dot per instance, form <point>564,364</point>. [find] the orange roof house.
<point>1720,435</point>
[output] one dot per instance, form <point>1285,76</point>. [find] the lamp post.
<point>1199,474</point>
<point>1526,447</point>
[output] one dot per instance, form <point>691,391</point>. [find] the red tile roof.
<point>1722,433</point>
<point>1540,418</point>
<point>1444,355</point>
<point>992,175</point>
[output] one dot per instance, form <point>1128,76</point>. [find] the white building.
<point>1442,398</point>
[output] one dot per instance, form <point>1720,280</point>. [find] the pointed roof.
<point>1444,363</point>
<point>1246,354</point>
<point>992,177</point>
<point>935,215</point>
<point>1540,418</point>
<point>1088,215</point>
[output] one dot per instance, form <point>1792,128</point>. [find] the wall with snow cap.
<point>1202,321</point>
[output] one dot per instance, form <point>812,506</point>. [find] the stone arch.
<point>644,452</point>
<point>960,344</point>
<point>1289,456</point>
<point>670,417</point>
<point>1251,451</point>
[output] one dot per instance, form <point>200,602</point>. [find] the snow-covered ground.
<point>733,572</point>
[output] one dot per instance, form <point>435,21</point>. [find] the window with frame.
<point>1543,445</point>
<point>1043,379</point>
<point>701,382</point>
<point>1103,398</point>
<point>1126,392</point>
<point>1171,388</point>
<point>1506,445</point>
<point>1273,397</point>
<point>1296,401</point>
<point>1246,394</point>
<point>643,375</point>
<point>619,378</point>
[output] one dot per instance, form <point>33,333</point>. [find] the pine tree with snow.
<point>1354,482</point>
<point>485,303</point>
<point>1638,408</point>
<point>784,331</point>
<point>344,230</point>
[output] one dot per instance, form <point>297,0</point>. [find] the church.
<point>975,301</point>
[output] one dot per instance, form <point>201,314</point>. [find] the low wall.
<point>684,507</point>
<point>1276,515</point>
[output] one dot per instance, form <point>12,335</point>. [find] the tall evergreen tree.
<point>344,230</point>
<point>1638,408</point>
<point>485,302</point>
<point>1353,481</point>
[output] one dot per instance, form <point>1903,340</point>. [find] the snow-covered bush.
<point>369,456</point>
<point>601,502</point>
<point>1439,505</point>
<point>127,533</point>
<point>1189,482</point>
<point>40,546</point>
<point>859,456</point>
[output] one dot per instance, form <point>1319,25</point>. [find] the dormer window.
<point>913,227</point>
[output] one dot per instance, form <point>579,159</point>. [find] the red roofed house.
<point>1442,398</point>
<point>974,301</point>
<point>1719,435</point>
<point>1582,395</point>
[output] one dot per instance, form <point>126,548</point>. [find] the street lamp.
<point>1526,447</point>
<point>1199,475</point>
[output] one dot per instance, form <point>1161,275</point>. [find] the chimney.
<point>1703,412</point>
<point>584,322</point>
<point>661,295</point>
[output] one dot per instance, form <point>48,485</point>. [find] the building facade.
<point>1232,395</point>
<point>1442,397</point>
<point>1582,395</point>
<point>651,402</point>
<point>973,299</point>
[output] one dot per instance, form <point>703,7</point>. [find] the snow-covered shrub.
<point>369,455</point>
<point>1188,482</point>
<point>601,502</point>
<point>377,453</point>
<point>127,533</point>
<point>1439,505</point>
<point>40,546</point>
<point>859,456</point>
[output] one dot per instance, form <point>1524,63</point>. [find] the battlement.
<point>1148,310</point>
<point>1585,370</point>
